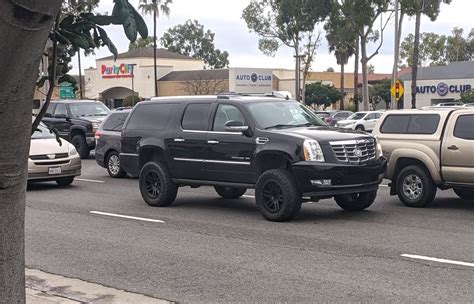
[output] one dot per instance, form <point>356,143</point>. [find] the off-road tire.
<point>289,198</point>
<point>230,192</point>
<point>467,194</point>
<point>64,181</point>
<point>428,188</point>
<point>156,186</point>
<point>356,201</point>
<point>109,159</point>
<point>80,143</point>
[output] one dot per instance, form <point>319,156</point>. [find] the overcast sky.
<point>223,17</point>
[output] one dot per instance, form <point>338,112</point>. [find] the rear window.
<point>410,124</point>
<point>115,121</point>
<point>464,128</point>
<point>151,116</point>
<point>196,117</point>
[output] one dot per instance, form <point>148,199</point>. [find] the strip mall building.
<point>439,84</point>
<point>132,73</point>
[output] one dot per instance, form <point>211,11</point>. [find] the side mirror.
<point>236,126</point>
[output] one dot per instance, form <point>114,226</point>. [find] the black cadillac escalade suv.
<point>233,142</point>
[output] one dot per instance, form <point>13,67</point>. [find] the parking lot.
<point>207,249</point>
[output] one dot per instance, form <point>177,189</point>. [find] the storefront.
<point>132,74</point>
<point>439,84</point>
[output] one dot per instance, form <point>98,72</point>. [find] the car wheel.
<point>113,165</point>
<point>156,186</point>
<point>230,192</point>
<point>80,144</point>
<point>360,128</point>
<point>356,201</point>
<point>415,188</point>
<point>277,195</point>
<point>64,181</point>
<point>467,194</point>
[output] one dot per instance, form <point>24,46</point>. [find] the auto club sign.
<point>117,71</point>
<point>247,80</point>
<point>442,89</point>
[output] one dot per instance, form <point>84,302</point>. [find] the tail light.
<point>97,134</point>
<point>328,119</point>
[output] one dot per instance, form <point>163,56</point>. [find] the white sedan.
<point>360,121</point>
<point>50,161</point>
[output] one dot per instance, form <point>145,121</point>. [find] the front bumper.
<point>344,178</point>
<point>90,139</point>
<point>39,170</point>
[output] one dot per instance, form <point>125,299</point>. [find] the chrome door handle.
<point>179,140</point>
<point>213,142</point>
<point>453,147</point>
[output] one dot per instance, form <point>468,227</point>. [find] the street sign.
<point>397,90</point>
<point>66,91</point>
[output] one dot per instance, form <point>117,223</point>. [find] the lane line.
<point>89,180</point>
<point>384,186</point>
<point>249,196</point>
<point>143,219</point>
<point>438,260</point>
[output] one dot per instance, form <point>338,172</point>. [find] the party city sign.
<point>442,89</point>
<point>121,71</point>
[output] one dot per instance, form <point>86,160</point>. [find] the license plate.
<point>54,170</point>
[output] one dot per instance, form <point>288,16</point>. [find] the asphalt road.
<point>208,249</point>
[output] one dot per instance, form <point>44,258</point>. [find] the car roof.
<point>229,97</point>
<point>73,100</point>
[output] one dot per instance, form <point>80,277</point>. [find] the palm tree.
<point>154,7</point>
<point>342,51</point>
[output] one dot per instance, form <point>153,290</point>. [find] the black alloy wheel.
<point>272,197</point>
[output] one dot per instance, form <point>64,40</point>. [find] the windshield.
<point>357,116</point>
<point>89,109</point>
<point>42,132</point>
<point>278,114</point>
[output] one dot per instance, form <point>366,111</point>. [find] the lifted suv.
<point>77,121</point>
<point>278,147</point>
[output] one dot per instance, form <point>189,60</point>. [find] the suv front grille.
<point>354,151</point>
<point>46,157</point>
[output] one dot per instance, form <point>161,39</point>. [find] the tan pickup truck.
<point>427,150</point>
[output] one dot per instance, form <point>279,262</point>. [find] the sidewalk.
<point>45,288</point>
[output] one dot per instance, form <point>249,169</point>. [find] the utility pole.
<point>396,51</point>
<point>81,85</point>
<point>155,8</point>
<point>298,77</point>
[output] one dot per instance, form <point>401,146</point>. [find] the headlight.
<point>313,151</point>
<point>72,151</point>
<point>95,126</point>
<point>379,148</point>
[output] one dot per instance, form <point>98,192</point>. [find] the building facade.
<point>439,84</point>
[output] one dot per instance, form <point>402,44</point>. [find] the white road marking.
<point>89,180</point>
<point>438,260</point>
<point>128,217</point>
<point>249,196</point>
<point>384,186</point>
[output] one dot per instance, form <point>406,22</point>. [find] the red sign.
<point>121,71</point>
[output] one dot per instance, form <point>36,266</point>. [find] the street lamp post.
<point>298,77</point>
<point>133,82</point>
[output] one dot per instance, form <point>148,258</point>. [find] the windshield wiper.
<point>308,124</point>
<point>280,126</point>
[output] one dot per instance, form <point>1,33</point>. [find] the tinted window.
<point>49,111</point>
<point>410,124</point>
<point>378,115</point>
<point>423,124</point>
<point>342,115</point>
<point>196,117</point>
<point>89,109</point>
<point>465,127</point>
<point>61,109</point>
<point>151,116</point>
<point>224,114</point>
<point>115,121</point>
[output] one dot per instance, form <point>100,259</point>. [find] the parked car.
<point>428,150</point>
<point>336,116</point>
<point>233,142</point>
<point>449,104</point>
<point>322,114</point>
<point>77,121</point>
<point>360,121</point>
<point>469,105</point>
<point>108,146</point>
<point>50,160</point>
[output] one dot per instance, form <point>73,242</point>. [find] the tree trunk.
<point>24,28</point>
<point>416,51</point>
<point>341,106</point>
<point>154,51</point>
<point>356,74</point>
<point>365,82</point>
<point>297,72</point>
